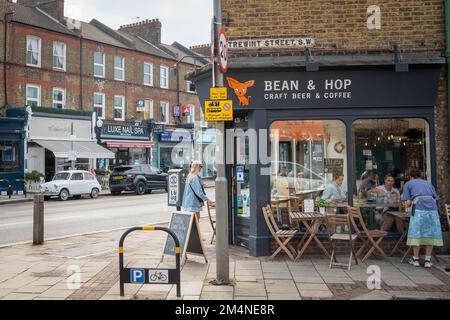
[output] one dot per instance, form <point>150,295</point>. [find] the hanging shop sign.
<point>176,136</point>
<point>186,110</point>
<point>140,105</point>
<point>176,111</point>
<point>218,93</point>
<point>330,89</point>
<point>116,131</point>
<point>219,110</point>
<point>271,43</point>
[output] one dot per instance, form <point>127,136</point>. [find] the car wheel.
<point>94,193</point>
<point>64,195</point>
<point>140,188</point>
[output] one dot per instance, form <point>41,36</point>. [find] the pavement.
<point>86,267</point>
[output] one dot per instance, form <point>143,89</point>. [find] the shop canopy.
<point>128,144</point>
<point>83,149</point>
<point>300,130</point>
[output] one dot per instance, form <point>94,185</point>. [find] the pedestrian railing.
<point>149,275</point>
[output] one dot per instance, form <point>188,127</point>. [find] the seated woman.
<point>334,191</point>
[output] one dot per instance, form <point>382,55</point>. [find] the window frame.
<point>63,98</point>
<point>167,79</point>
<point>38,99</point>
<point>103,65</point>
<point>167,107</point>
<point>39,64</point>
<point>151,111</point>
<point>122,108</point>
<point>102,106</point>
<point>191,118</point>
<point>64,46</point>
<point>150,84</point>
<point>188,83</point>
<point>116,68</point>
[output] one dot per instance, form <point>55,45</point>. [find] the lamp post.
<point>98,130</point>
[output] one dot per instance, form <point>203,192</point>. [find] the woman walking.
<point>425,226</point>
<point>194,194</point>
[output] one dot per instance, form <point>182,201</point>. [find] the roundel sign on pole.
<point>223,51</point>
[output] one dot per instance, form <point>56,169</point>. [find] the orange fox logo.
<point>240,89</point>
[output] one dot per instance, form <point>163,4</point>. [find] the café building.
<point>305,119</point>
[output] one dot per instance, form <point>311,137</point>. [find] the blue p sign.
<point>137,276</point>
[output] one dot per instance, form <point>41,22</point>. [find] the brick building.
<point>126,76</point>
<point>344,87</point>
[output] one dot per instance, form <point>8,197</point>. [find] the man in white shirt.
<point>392,195</point>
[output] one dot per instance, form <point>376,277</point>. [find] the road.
<point>84,215</point>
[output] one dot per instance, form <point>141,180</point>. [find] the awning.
<point>83,149</point>
<point>128,144</point>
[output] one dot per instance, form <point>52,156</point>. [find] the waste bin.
<point>176,182</point>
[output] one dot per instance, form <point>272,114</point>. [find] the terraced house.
<point>66,69</point>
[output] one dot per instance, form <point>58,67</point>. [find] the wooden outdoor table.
<point>404,216</point>
<point>312,222</point>
<point>277,202</point>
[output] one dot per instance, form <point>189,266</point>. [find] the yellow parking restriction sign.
<point>219,110</point>
<point>219,93</point>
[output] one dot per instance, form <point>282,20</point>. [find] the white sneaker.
<point>414,262</point>
<point>427,264</point>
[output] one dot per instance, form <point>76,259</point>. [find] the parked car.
<point>141,179</point>
<point>72,183</point>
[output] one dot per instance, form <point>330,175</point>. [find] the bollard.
<point>38,220</point>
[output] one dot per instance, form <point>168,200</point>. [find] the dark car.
<point>141,179</point>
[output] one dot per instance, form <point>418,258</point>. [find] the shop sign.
<point>331,89</point>
<point>219,110</point>
<point>58,128</point>
<point>176,111</point>
<point>158,128</point>
<point>124,132</point>
<point>218,93</point>
<point>334,165</point>
<point>271,43</point>
<point>176,136</point>
<point>186,110</point>
<point>240,174</point>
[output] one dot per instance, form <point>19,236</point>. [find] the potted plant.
<point>322,204</point>
<point>33,180</point>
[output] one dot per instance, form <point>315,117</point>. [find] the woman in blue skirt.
<point>425,226</point>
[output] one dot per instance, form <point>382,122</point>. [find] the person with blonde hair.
<point>194,195</point>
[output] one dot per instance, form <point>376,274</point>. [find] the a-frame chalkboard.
<point>186,227</point>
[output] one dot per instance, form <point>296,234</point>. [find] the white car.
<point>71,183</point>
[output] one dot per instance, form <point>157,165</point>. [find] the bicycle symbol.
<point>158,276</point>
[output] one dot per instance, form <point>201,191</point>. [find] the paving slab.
<point>280,296</point>
<point>216,296</point>
<point>249,289</point>
<point>312,286</point>
<point>281,286</point>
<point>316,293</point>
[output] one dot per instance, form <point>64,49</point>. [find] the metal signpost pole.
<point>222,254</point>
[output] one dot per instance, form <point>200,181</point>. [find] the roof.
<point>38,18</point>
<point>381,59</point>
<point>91,32</point>
<point>146,47</point>
<point>180,51</point>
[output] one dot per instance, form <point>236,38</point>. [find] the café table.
<point>405,216</point>
<point>277,201</point>
<point>312,222</point>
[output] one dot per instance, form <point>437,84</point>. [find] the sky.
<point>185,21</point>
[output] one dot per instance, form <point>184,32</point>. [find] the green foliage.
<point>102,172</point>
<point>62,111</point>
<point>321,203</point>
<point>34,176</point>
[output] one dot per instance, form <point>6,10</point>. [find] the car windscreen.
<point>61,176</point>
<point>123,170</point>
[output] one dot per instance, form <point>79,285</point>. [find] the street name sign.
<point>219,110</point>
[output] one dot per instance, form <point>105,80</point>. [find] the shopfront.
<point>301,127</point>
<point>12,137</point>
<point>130,144</point>
<point>175,149</point>
<point>56,142</point>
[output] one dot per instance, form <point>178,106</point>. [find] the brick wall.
<point>132,88</point>
<point>340,27</point>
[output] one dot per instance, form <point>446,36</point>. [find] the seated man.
<point>392,194</point>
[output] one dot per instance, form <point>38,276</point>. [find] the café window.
<point>305,155</point>
<point>9,156</point>
<point>388,147</point>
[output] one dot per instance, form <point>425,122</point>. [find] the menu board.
<point>334,165</point>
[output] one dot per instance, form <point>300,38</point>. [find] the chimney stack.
<point>149,30</point>
<point>54,8</point>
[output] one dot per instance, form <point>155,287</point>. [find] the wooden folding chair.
<point>342,220</point>
<point>211,219</point>
<point>282,237</point>
<point>370,238</point>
